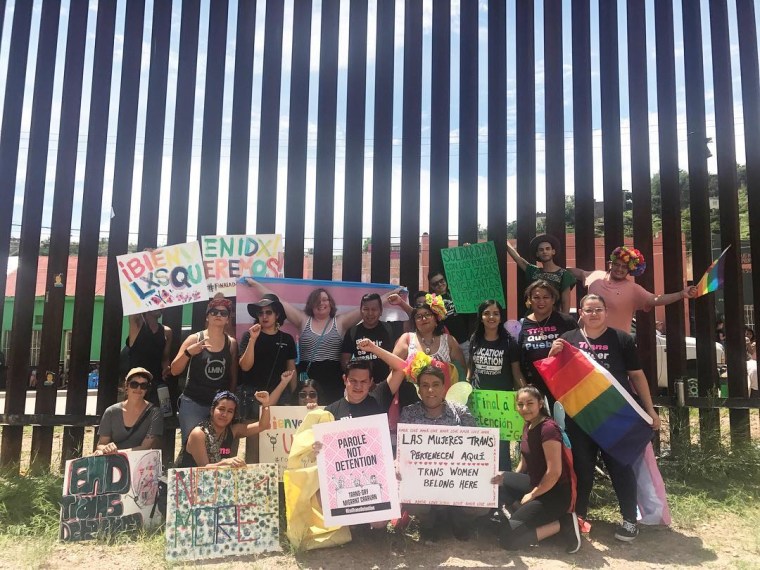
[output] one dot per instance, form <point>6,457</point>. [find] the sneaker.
<point>570,530</point>
<point>583,525</point>
<point>627,531</point>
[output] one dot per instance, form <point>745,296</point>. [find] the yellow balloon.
<point>459,393</point>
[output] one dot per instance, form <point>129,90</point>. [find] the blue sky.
<point>341,106</point>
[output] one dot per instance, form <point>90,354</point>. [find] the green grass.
<point>29,505</point>
<point>701,485</point>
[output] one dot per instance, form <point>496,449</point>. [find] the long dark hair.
<point>534,392</point>
<point>478,336</point>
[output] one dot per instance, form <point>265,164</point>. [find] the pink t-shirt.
<point>623,298</point>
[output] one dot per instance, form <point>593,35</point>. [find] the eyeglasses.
<point>304,395</point>
<point>266,313</point>
<point>437,282</point>
<point>620,265</point>
<point>423,316</point>
<point>596,311</point>
<point>135,385</point>
<point>219,313</point>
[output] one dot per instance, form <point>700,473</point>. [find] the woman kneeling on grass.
<point>211,443</point>
<point>542,486</point>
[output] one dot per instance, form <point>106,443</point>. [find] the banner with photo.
<point>347,295</point>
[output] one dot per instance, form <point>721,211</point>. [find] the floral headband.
<point>632,257</point>
<point>421,361</point>
<point>435,302</point>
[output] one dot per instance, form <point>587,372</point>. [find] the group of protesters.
<point>355,364</point>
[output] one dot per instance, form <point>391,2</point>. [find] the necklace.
<point>428,343</point>
<point>541,326</point>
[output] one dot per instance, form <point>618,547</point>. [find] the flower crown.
<point>632,257</point>
<point>436,305</point>
<point>421,361</point>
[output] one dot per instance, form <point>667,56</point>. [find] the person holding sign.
<point>210,358</point>
<point>494,359</point>
<point>544,247</point>
<point>133,424</point>
<point>456,323</point>
<point>211,443</point>
<point>148,345</point>
<point>542,486</point>
<point>434,409</point>
<point>428,335</point>
<point>265,353</point>
<point>615,350</point>
<point>539,329</point>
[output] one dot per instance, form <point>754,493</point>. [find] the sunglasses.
<point>266,313</point>
<point>219,313</point>
<point>303,395</point>
<point>135,385</point>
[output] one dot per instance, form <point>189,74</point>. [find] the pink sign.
<point>356,474</point>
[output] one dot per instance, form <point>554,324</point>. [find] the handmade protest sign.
<point>444,465</point>
<point>356,475</point>
<point>165,277</point>
<point>228,258</point>
<point>472,273</point>
<point>347,296</point>
<point>222,511</point>
<point>497,409</point>
<point>275,443</point>
<point>106,495</point>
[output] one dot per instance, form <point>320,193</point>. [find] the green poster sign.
<point>497,409</point>
<point>472,272</point>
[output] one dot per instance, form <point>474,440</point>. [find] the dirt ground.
<point>728,543</point>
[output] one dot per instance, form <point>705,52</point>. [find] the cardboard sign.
<point>275,443</point>
<point>472,273</point>
<point>347,296</point>
<point>443,465</point>
<point>228,258</point>
<point>356,474</point>
<point>497,409</point>
<point>165,277</point>
<point>214,512</point>
<point>106,495</point>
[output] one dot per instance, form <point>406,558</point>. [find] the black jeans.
<point>549,507</point>
<point>585,453</point>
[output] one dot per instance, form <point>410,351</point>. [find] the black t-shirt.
<point>270,357</point>
<point>535,341</point>
<point>492,363</point>
<point>383,335</point>
<point>455,323</point>
<point>377,402</point>
<point>613,349</point>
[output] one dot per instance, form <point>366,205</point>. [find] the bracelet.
<point>187,353</point>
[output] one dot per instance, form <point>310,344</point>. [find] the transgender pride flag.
<point>597,403</point>
<point>347,295</point>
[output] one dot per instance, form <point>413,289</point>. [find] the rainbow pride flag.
<point>712,280</point>
<point>597,403</point>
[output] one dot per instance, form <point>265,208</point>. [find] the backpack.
<point>567,453</point>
